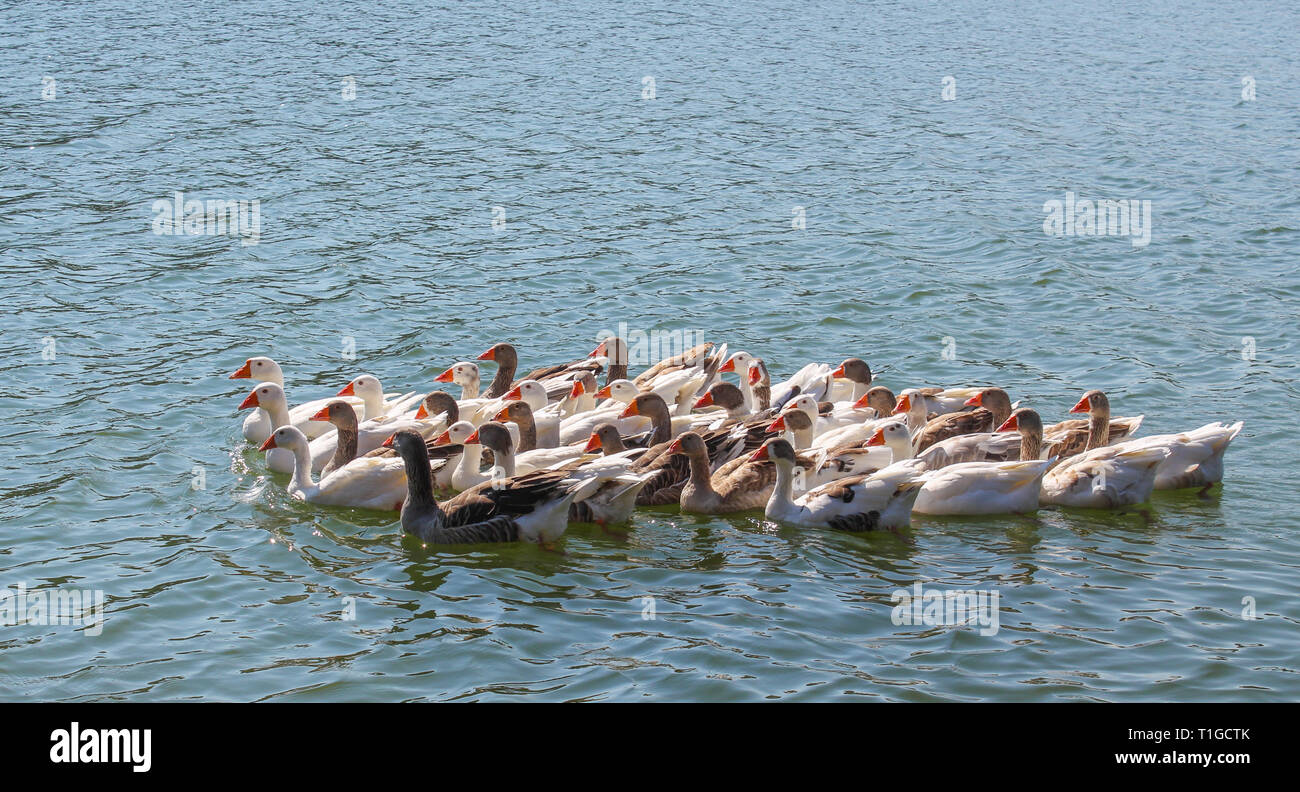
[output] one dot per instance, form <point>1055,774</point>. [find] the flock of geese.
<point>825,448</point>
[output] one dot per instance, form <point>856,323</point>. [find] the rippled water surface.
<point>924,220</point>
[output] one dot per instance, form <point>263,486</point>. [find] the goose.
<point>830,418</point>
<point>880,500</point>
<point>1105,477</point>
<point>1020,437</point>
<point>1076,436</point>
<point>532,508</point>
<point>741,484</point>
<point>258,425</point>
<point>366,483</point>
<point>761,382</point>
<point>466,375</point>
<point>614,350</point>
<point>983,488</point>
<point>797,426</point>
<point>344,418</point>
<point>270,397</point>
<point>533,432</point>
<point>874,408</point>
<point>507,360</point>
<point>1195,458</point>
<point>729,398</point>
<point>526,460</point>
<point>369,435</point>
<point>374,404</point>
<point>466,473</point>
<point>992,408</point>
<point>852,380</point>
<point>739,364</point>
<point>438,406</point>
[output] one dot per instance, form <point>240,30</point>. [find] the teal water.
<point>924,220</point>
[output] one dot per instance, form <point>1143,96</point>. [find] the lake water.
<point>667,203</point>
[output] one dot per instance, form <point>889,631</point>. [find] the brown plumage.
<point>994,409</point>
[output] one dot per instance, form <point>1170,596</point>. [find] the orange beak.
<point>705,400</point>
<point>446,376</point>
<point>1082,406</point>
<point>877,439</point>
<point>860,403</point>
<point>777,426</point>
<point>603,393</point>
<point>839,372</point>
<point>754,375</point>
<point>323,415</point>
<point>592,444</point>
<point>488,355</point>
<point>730,365</point>
<point>630,411</point>
<point>270,443</point>
<point>977,400</point>
<point>1008,425</point>
<point>348,390</point>
<point>421,413</point>
<point>598,351</point>
<point>503,415</point>
<point>472,439</point>
<point>389,442</point>
<point>245,371</point>
<point>577,390</point>
<point>904,405</point>
<point>249,401</point>
<point>514,393</point>
<point>759,454</point>
<point>442,439</point>
<point>676,447</point>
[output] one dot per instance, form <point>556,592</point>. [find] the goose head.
<point>516,411</point>
<point>1095,403</point>
<point>290,437</point>
<point>502,354</point>
<point>605,437</point>
<point>995,400</point>
<point>855,370</point>
<point>724,395</point>
<point>260,369</point>
<point>805,403</point>
<point>367,388</point>
<point>758,373</point>
<point>738,363</point>
<point>896,437</point>
<point>494,436</point>
<point>912,404</point>
<point>459,432</point>
<point>779,451</point>
<point>690,444</point>
<point>269,397</point>
<point>797,423</point>
<point>530,391</point>
<point>339,413</point>
<point>612,348</point>
<point>437,403</point>
<point>464,374</point>
<point>620,389</point>
<point>879,398</point>
<point>1024,420</point>
<point>650,405</point>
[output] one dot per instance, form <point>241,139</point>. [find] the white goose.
<point>1195,458</point>
<point>363,483</point>
<point>1105,477</point>
<point>270,397</point>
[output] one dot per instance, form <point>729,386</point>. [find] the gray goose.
<point>344,418</point>
<point>532,507</point>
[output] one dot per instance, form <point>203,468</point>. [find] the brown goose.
<point>532,507</point>
<point>605,437</point>
<point>880,399</point>
<point>992,408</point>
<point>741,484</point>
<point>520,413</point>
<point>761,382</point>
<point>507,360</point>
<point>344,418</point>
<point>728,397</point>
<point>1073,437</point>
<point>856,371</point>
<point>438,402</point>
